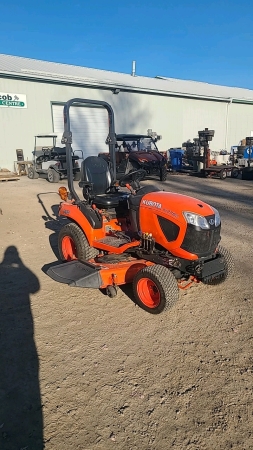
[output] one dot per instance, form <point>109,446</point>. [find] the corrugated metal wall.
<point>177,119</point>
<point>240,122</point>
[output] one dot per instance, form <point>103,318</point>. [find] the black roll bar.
<point>67,139</point>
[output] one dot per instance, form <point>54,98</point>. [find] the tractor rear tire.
<point>163,173</point>
<point>73,244</point>
<point>53,176</point>
<point>155,289</point>
<point>229,267</point>
<point>32,174</point>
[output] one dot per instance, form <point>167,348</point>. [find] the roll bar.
<point>67,138</point>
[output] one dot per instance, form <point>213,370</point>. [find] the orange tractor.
<point>159,241</point>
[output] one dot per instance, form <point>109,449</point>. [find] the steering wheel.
<point>133,178</point>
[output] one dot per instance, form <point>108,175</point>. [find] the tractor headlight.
<point>217,217</point>
<point>196,220</point>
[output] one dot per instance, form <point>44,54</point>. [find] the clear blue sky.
<point>206,40</point>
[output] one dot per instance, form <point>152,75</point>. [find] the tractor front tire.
<point>73,244</point>
<point>163,173</point>
<point>53,176</point>
<point>229,267</point>
<point>155,289</point>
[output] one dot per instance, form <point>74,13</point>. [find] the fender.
<point>89,223</point>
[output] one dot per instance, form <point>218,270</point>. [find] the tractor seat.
<point>106,201</point>
<point>96,182</point>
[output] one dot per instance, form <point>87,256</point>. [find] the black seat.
<point>96,181</point>
<point>59,151</point>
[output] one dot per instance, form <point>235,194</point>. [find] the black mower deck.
<point>76,273</point>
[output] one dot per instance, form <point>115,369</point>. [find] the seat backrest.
<point>95,170</point>
<point>56,152</point>
<point>20,154</point>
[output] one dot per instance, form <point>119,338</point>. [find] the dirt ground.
<point>79,370</point>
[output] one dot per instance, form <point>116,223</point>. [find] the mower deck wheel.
<point>111,291</point>
<point>53,176</point>
<point>155,289</point>
<point>73,244</point>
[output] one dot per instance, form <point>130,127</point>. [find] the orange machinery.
<point>159,241</point>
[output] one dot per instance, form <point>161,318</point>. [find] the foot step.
<point>114,241</point>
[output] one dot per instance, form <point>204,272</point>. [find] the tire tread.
<point>56,176</point>
<point>163,277</point>
<point>163,173</point>
<point>84,250</point>
<point>229,267</point>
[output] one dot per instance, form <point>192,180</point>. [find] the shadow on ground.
<point>21,422</point>
<point>52,222</point>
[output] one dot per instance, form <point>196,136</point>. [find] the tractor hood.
<point>184,225</point>
<point>172,204</point>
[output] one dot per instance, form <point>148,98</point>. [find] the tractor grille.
<point>201,242</point>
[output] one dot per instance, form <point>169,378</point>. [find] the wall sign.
<point>12,100</point>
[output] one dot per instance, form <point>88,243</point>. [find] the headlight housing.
<point>217,220</point>
<point>196,220</point>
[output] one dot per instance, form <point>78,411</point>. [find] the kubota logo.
<point>150,203</point>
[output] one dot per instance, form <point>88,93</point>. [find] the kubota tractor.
<point>159,241</point>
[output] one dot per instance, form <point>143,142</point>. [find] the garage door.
<point>89,128</point>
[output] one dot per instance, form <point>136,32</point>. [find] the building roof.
<point>15,66</point>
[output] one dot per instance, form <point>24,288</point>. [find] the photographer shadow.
<point>21,420</point>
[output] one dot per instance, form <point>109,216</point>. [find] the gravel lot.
<point>82,371</point>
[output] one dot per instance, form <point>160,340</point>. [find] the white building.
<point>32,94</point>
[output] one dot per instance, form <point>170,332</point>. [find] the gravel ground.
<point>82,371</point>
